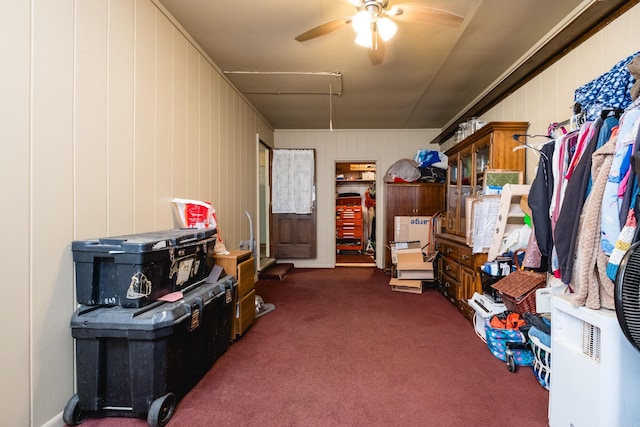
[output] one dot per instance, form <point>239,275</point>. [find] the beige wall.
<point>384,147</point>
<point>109,111</point>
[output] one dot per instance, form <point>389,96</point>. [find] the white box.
<point>369,176</point>
<point>595,379</point>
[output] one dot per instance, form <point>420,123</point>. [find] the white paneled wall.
<point>548,98</point>
<point>109,111</point>
<point>384,147</point>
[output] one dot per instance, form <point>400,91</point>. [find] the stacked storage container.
<point>137,355</point>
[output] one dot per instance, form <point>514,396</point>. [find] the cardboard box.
<point>403,285</point>
<point>369,176</point>
<point>413,265</point>
<point>395,246</point>
<point>415,228</point>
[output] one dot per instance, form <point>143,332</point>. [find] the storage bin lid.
<point>118,321</point>
<point>145,242</point>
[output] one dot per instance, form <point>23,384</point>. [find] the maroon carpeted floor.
<point>342,349</point>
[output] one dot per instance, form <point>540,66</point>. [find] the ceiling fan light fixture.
<point>362,21</point>
<point>387,28</point>
<point>363,38</point>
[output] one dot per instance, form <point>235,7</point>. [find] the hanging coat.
<point>540,195</point>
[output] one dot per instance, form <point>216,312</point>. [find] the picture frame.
<point>497,178</point>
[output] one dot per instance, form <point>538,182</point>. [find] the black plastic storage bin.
<point>139,362</point>
<point>487,280</point>
<point>137,269</point>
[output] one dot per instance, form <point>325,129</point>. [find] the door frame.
<point>378,249</point>
<point>266,205</point>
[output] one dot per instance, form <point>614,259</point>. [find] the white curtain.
<point>292,186</point>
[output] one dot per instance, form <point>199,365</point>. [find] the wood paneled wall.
<point>109,111</point>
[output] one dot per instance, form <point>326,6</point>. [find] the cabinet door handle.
<point>465,256</point>
<point>447,284</point>
<point>449,250</point>
<point>447,267</point>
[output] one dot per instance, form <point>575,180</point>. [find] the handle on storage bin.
<point>198,234</point>
<point>197,309</point>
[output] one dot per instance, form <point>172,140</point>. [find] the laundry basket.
<point>542,362</point>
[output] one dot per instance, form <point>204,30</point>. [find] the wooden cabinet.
<point>491,147</point>
<point>240,264</point>
<point>410,199</point>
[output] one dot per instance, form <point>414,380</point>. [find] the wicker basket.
<point>518,290</point>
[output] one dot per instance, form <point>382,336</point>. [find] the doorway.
<point>355,189</point>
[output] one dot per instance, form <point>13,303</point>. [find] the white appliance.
<point>485,308</point>
<point>595,378</point>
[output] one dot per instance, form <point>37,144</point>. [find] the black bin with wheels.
<point>139,362</point>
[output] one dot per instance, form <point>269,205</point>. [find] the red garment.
<point>368,200</point>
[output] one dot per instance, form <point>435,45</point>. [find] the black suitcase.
<point>137,269</point>
<point>139,362</point>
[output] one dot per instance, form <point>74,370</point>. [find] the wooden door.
<point>429,199</point>
<point>294,235</point>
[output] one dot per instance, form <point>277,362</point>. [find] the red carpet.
<point>342,349</point>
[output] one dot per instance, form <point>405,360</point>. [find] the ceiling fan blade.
<point>325,28</point>
<point>414,12</point>
<point>377,50</point>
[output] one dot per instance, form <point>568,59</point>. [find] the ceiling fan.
<point>374,25</point>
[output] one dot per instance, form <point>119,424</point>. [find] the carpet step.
<point>277,271</point>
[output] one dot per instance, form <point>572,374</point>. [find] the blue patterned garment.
<point>610,90</point>
<point>426,158</point>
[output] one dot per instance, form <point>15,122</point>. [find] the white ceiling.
<point>431,72</point>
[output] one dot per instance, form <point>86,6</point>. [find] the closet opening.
<point>355,213</point>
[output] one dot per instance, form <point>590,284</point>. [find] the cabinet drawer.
<point>348,212</point>
<point>451,251</point>
<point>349,223</point>
<point>465,256</point>
<point>349,233</point>
<point>245,277</point>
<point>451,268</point>
<point>452,288</point>
<point>246,312</point>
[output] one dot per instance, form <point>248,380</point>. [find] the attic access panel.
<point>281,83</point>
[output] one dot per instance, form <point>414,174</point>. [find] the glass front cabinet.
<point>490,147</point>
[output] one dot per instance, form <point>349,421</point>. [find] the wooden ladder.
<point>510,216</point>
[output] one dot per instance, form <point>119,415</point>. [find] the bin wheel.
<point>72,414</point>
<point>511,362</point>
<point>161,410</point>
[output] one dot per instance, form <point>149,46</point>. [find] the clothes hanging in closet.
<point>610,90</point>
<point>589,282</point>
<point>540,195</point>
<point>616,184</point>
<point>578,188</point>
